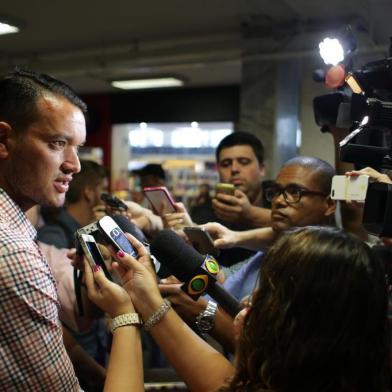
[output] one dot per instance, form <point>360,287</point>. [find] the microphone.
<point>189,266</point>
<point>128,227</point>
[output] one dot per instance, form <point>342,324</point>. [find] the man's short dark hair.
<point>20,90</point>
<point>323,170</point>
<point>242,139</point>
<point>91,174</point>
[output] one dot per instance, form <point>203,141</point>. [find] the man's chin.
<point>54,202</point>
<point>278,227</point>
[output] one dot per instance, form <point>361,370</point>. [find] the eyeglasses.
<point>291,193</point>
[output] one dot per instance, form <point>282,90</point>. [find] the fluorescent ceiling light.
<point>147,83</point>
<point>6,28</point>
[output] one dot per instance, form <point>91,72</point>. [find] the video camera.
<point>366,110</point>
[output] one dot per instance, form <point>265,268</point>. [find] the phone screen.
<point>160,200</point>
<point>94,251</point>
<point>122,242</point>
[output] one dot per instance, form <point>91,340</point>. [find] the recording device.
<point>349,187</point>
<point>113,201</point>
<point>161,200</point>
<point>227,189</point>
<point>196,271</point>
<point>107,231</point>
<point>365,109</point>
<point>115,236</point>
<point>93,254</point>
<point>377,214</point>
<point>201,240</point>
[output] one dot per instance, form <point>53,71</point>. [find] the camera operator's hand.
<point>223,237</point>
<point>109,296</point>
<point>232,208</point>
<point>374,175</point>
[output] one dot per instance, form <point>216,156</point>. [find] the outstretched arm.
<point>254,239</point>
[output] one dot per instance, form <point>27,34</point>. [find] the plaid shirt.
<point>32,353</point>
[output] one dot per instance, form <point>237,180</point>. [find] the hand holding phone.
<point>160,199</point>
<point>227,189</point>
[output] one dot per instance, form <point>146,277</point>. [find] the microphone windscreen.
<point>173,252</point>
<point>128,227</point>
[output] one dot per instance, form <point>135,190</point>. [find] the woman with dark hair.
<point>318,321</point>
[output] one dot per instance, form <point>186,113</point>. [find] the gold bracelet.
<point>125,319</point>
<point>157,316</point>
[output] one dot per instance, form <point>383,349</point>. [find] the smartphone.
<point>349,188</point>
<point>93,254</point>
<point>201,240</point>
<point>161,200</point>
<point>113,201</point>
<point>115,236</point>
<point>227,189</point>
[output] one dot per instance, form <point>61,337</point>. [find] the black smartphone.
<point>113,201</point>
<point>115,236</point>
<point>201,240</point>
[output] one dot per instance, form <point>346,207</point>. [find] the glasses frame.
<point>301,190</point>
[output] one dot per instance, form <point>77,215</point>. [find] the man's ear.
<point>5,133</point>
<point>88,193</point>
<point>262,169</point>
<point>331,207</point>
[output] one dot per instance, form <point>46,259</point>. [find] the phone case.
<point>349,188</point>
<point>160,199</point>
<point>227,189</point>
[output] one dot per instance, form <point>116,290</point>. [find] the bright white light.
<point>6,28</point>
<point>331,51</point>
<point>365,120</point>
<point>194,124</point>
<point>146,137</point>
<point>147,83</point>
<point>143,125</point>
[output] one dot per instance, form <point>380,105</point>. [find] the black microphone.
<point>128,227</point>
<point>189,266</point>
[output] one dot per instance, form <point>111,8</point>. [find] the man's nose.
<point>71,162</point>
<point>279,200</point>
<point>235,167</point>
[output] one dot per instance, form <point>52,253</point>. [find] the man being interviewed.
<point>42,124</point>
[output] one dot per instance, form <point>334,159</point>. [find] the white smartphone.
<point>349,187</point>
<point>93,254</point>
<point>161,200</point>
<point>115,236</point>
<point>201,240</point>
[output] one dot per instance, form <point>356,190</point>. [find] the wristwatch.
<point>206,319</point>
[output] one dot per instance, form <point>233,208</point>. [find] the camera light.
<point>331,51</point>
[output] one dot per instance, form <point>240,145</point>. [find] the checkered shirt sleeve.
<point>32,353</point>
